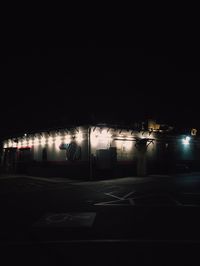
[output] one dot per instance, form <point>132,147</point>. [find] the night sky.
<point>75,79</point>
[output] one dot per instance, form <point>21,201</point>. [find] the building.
<point>101,150</point>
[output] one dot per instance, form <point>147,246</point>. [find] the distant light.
<point>19,143</point>
<point>94,138</point>
<point>10,143</point>
<point>30,142</point>
<point>15,144</point>
<point>24,142</point>
<point>186,140</point>
<point>43,140</point>
<point>128,145</point>
<point>36,141</point>
<point>105,134</point>
<point>50,140</point>
<point>67,138</point>
<point>5,145</point>
<point>57,140</point>
<point>194,132</point>
<point>79,137</point>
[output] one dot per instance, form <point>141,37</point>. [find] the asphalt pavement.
<point>154,208</point>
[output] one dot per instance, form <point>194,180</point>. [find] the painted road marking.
<point>130,200</point>
<point>110,194</point>
<point>69,219</point>
<point>121,201</point>
<point>126,196</point>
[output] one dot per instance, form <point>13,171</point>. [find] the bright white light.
<point>94,138</point>
<point>19,143</point>
<point>118,144</point>
<point>101,138</point>
<point>50,140</point>
<point>43,140</point>
<point>104,137</point>
<point>79,137</point>
<point>5,145</point>
<point>24,142</point>
<point>67,138</point>
<point>30,142</point>
<point>10,143</point>
<point>36,141</point>
<point>105,134</point>
<point>127,145</point>
<point>57,140</point>
<point>186,140</point>
<point>14,144</point>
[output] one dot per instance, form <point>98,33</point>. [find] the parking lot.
<point>154,206</point>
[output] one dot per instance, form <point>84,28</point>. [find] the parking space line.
<point>109,194</point>
<point>126,196</point>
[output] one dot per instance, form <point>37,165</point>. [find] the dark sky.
<point>77,78</point>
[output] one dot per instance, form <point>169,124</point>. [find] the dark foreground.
<point>130,220</point>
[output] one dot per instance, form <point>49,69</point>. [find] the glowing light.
<point>30,142</point>
<point>67,138</point>
<point>10,143</point>
<point>19,143</point>
<point>186,140</point>
<point>43,140</point>
<point>79,137</point>
<point>36,141</point>
<point>94,138</point>
<point>127,145</point>
<point>24,142</point>
<point>118,144</point>
<point>57,140</point>
<point>14,144</point>
<point>104,137</point>
<point>105,134</point>
<point>50,140</point>
<point>5,145</point>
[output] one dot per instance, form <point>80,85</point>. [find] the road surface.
<point>155,208</point>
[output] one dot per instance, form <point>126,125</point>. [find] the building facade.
<point>100,150</point>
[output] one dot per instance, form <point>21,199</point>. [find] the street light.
<point>186,140</point>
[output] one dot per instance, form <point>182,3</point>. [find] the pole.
<point>89,153</point>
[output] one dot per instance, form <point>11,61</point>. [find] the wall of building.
<point>57,149</point>
<point>112,149</point>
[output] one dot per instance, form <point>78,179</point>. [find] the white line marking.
<point>108,202</point>
<point>126,196</point>
<point>109,194</point>
<point>112,204</point>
